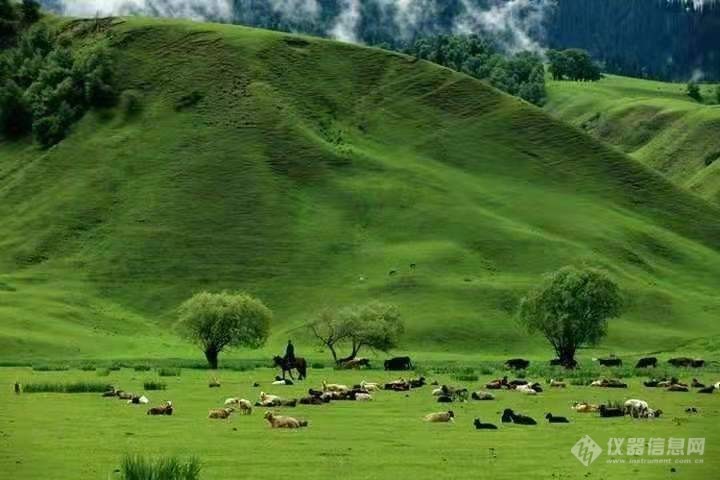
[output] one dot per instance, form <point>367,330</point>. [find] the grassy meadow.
<point>655,122</point>
<point>70,436</point>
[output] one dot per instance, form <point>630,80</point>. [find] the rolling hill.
<point>655,122</point>
<point>303,171</point>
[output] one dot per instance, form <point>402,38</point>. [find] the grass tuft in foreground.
<point>169,372</point>
<point>74,387</point>
<point>137,467</point>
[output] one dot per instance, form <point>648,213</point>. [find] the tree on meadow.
<point>693,91</point>
<point>571,308</point>
<point>374,325</point>
<point>216,321</point>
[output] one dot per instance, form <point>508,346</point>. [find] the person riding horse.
<point>290,361</point>
<point>290,354</point>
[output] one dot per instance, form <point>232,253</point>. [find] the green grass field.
<point>304,172</point>
<point>71,436</point>
<point>655,122</point>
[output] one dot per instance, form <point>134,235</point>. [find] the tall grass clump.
<point>137,467</point>
<point>102,372</point>
<point>317,365</point>
<point>169,372</point>
<point>50,368</point>
<point>87,367</point>
<point>142,368</point>
<point>74,387</point>
<point>154,385</point>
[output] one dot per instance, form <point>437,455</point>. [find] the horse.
<point>299,364</point>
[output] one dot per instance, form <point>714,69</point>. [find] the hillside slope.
<point>303,171</point>
<point>654,122</point>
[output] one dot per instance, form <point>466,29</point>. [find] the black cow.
<point>517,363</point>
<point>681,362</point>
<point>483,426</point>
<point>606,411</point>
<point>610,362</point>
<point>647,362</point>
<point>398,363</point>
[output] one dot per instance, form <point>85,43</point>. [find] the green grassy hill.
<point>654,122</point>
<point>303,171</point>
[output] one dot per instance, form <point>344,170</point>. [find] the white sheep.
<point>440,417</point>
<point>526,389</point>
<point>363,397</point>
<point>245,406</point>
<point>370,386</point>
<point>636,408</point>
<point>334,387</point>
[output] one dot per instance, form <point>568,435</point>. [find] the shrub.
<point>130,102</point>
<point>693,91</point>
<point>136,467</point>
<point>154,385</point>
<point>188,100</point>
<point>318,365</point>
<point>142,368</point>
<point>74,387</point>
<point>465,377</point>
<point>50,368</point>
<point>169,372</point>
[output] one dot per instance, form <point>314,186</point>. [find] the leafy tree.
<point>29,11</point>
<point>15,115</point>
<point>216,321</point>
<point>717,94</point>
<point>374,325</point>
<point>573,64</point>
<point>693,91</point>
<point>521,74</point>
<point>571,308</point>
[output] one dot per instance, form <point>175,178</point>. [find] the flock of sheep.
<point>364,391</point>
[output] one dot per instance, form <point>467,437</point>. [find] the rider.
<point>290,353</point>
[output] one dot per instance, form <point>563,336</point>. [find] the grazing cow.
<point>267,399</point>
<point>440,417</point>
<point>480,395</point>
<point>444,399</point>
<point>139,400</point>
<point>635,408</point>
<point>516,418</point>
<point>610,362</point>
<point>691,410</point>
<point>164,409</point>
<point>677,388</point>
<point>398,363</point>
<point>709,389</point>
<point>553,419</point>
<point>483,426</point>
<point>355,363</point>
<point>214,383</point>
<point>698,363</point>
<point>607,412</point>
<point>220,413</point>
<point>557,383</point>
<point>516,383</point>
<point>400,385</point>
<point>363,397</point>
<point>279,421</point>
<point>647,362</point>
<point>608,383</point>
<point>681,362</point>
<point>124,395</point>
<point>517,364</point>
<point>311,401</point>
